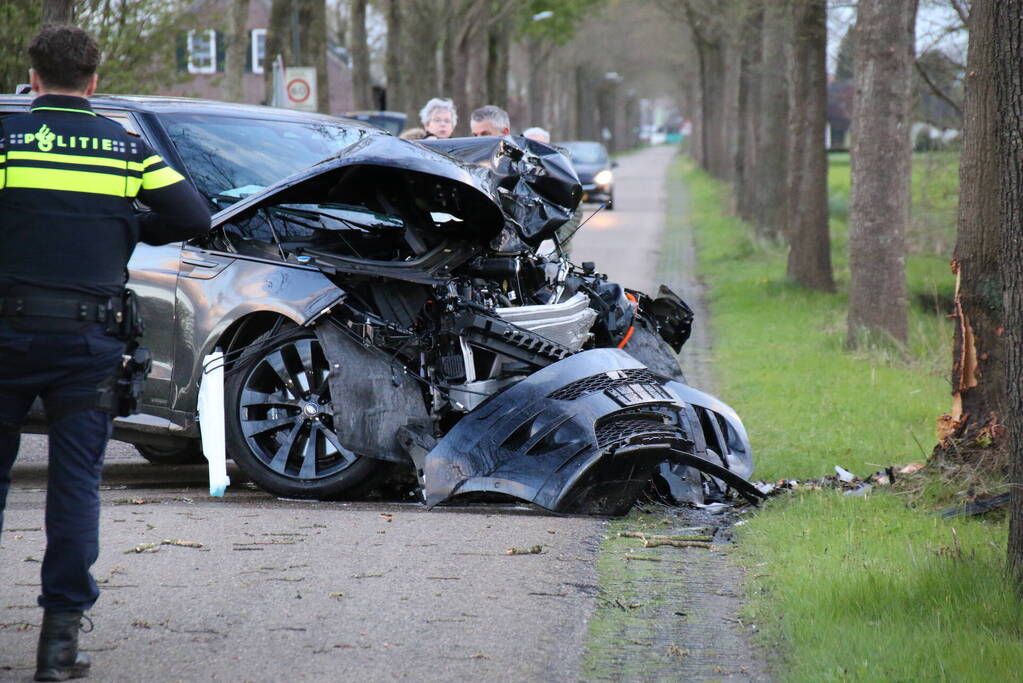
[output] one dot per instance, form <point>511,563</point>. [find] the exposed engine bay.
<point>457,350</point>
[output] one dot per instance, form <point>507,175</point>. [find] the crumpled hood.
<point>434,181</point>
<point>539,187</point>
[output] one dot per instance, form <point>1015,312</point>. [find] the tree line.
<point>759,101</point>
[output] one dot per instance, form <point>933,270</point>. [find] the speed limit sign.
<point>300,87</point>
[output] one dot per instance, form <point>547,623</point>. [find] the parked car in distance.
<point>391,121</point>
<point>593,166</point>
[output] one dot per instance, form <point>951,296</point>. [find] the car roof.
<point>159,104</point>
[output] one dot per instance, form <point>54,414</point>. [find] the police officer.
<point>68,182</point>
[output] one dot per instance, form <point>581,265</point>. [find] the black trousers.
<point>64,369</point>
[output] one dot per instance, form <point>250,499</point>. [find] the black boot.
<point>57,658</point>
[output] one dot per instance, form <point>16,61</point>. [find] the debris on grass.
<point>655,540</point>
<point>704,537</point>
<point>843,480</point>
<point>977,507</point>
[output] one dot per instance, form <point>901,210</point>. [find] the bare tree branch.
<point>962,10</point>
<point>936,90</point>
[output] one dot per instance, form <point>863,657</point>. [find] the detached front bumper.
<point>584,435</point>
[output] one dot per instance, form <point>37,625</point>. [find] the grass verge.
<point>847,588</point>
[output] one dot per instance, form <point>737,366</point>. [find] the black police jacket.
<point>69,179</point>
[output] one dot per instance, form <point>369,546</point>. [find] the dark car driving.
<point>593,166</point>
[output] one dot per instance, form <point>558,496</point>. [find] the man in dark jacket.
<point>68,224</point>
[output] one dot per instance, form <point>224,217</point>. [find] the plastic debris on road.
<point>211,421</point>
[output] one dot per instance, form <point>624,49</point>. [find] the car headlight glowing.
<point>604,177</point>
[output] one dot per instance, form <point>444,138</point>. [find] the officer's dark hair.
<point>64,56</point>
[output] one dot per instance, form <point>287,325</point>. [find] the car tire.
<point>188,453</point>
<point>279,422</point>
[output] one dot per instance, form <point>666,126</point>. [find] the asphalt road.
<point>255,588</point>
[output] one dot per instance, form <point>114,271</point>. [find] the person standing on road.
<point>439,118</point>
<point>68,182</point>
<point>489,120</point>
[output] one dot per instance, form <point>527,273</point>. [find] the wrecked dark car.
<point>386,310</point>
<point>432,336</point>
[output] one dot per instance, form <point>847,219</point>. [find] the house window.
<point>202,52</point>
<point>258,47</point>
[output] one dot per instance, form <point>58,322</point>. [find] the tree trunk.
<point>713,109</point>
<point>59,11</point>
<point>978,358</point>
<point>772,127</point>
<point>234,63</point>
<point>539,82</point>
<point>468,34</point>
<point>498,46</point>
<point>312,31</point>
<point>1008,44</point>
<point>278,42</point>
<point>749,96</point>
<point>362,96</point>
<point>881,165</point>
<point>585,105</point>
<point>419,56</point>
<point>395,96</point>
<point>447,81</point>
<point>809,261</point>
<point>731,121</point>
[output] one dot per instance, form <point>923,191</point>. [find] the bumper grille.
<point>605,380</point>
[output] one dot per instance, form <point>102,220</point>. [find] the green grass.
<point>779,357</point>
<point>862,589</point>
<point>850,588</point>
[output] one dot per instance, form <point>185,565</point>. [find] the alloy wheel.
<point>286,414</point>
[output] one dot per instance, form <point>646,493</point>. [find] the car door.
<point>152,275</point>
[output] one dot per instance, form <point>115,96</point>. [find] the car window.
<point>586,152</point>
<point>122,118</point>
<point>232,157</point>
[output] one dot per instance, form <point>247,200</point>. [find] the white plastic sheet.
<point>211,421</point>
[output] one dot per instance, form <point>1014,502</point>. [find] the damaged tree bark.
<point>978,361</point>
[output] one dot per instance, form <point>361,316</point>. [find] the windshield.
<point>586,152</point>
<point>232,157</point>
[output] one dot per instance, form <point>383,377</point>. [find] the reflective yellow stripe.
<point>154,180</point>
<point>67,159</point>
<point>133,186</point>
<point>134,166</point>
<point>3,158</point>
<point>77,111</point>
<point>155,159</point>
<point>68,181</point>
